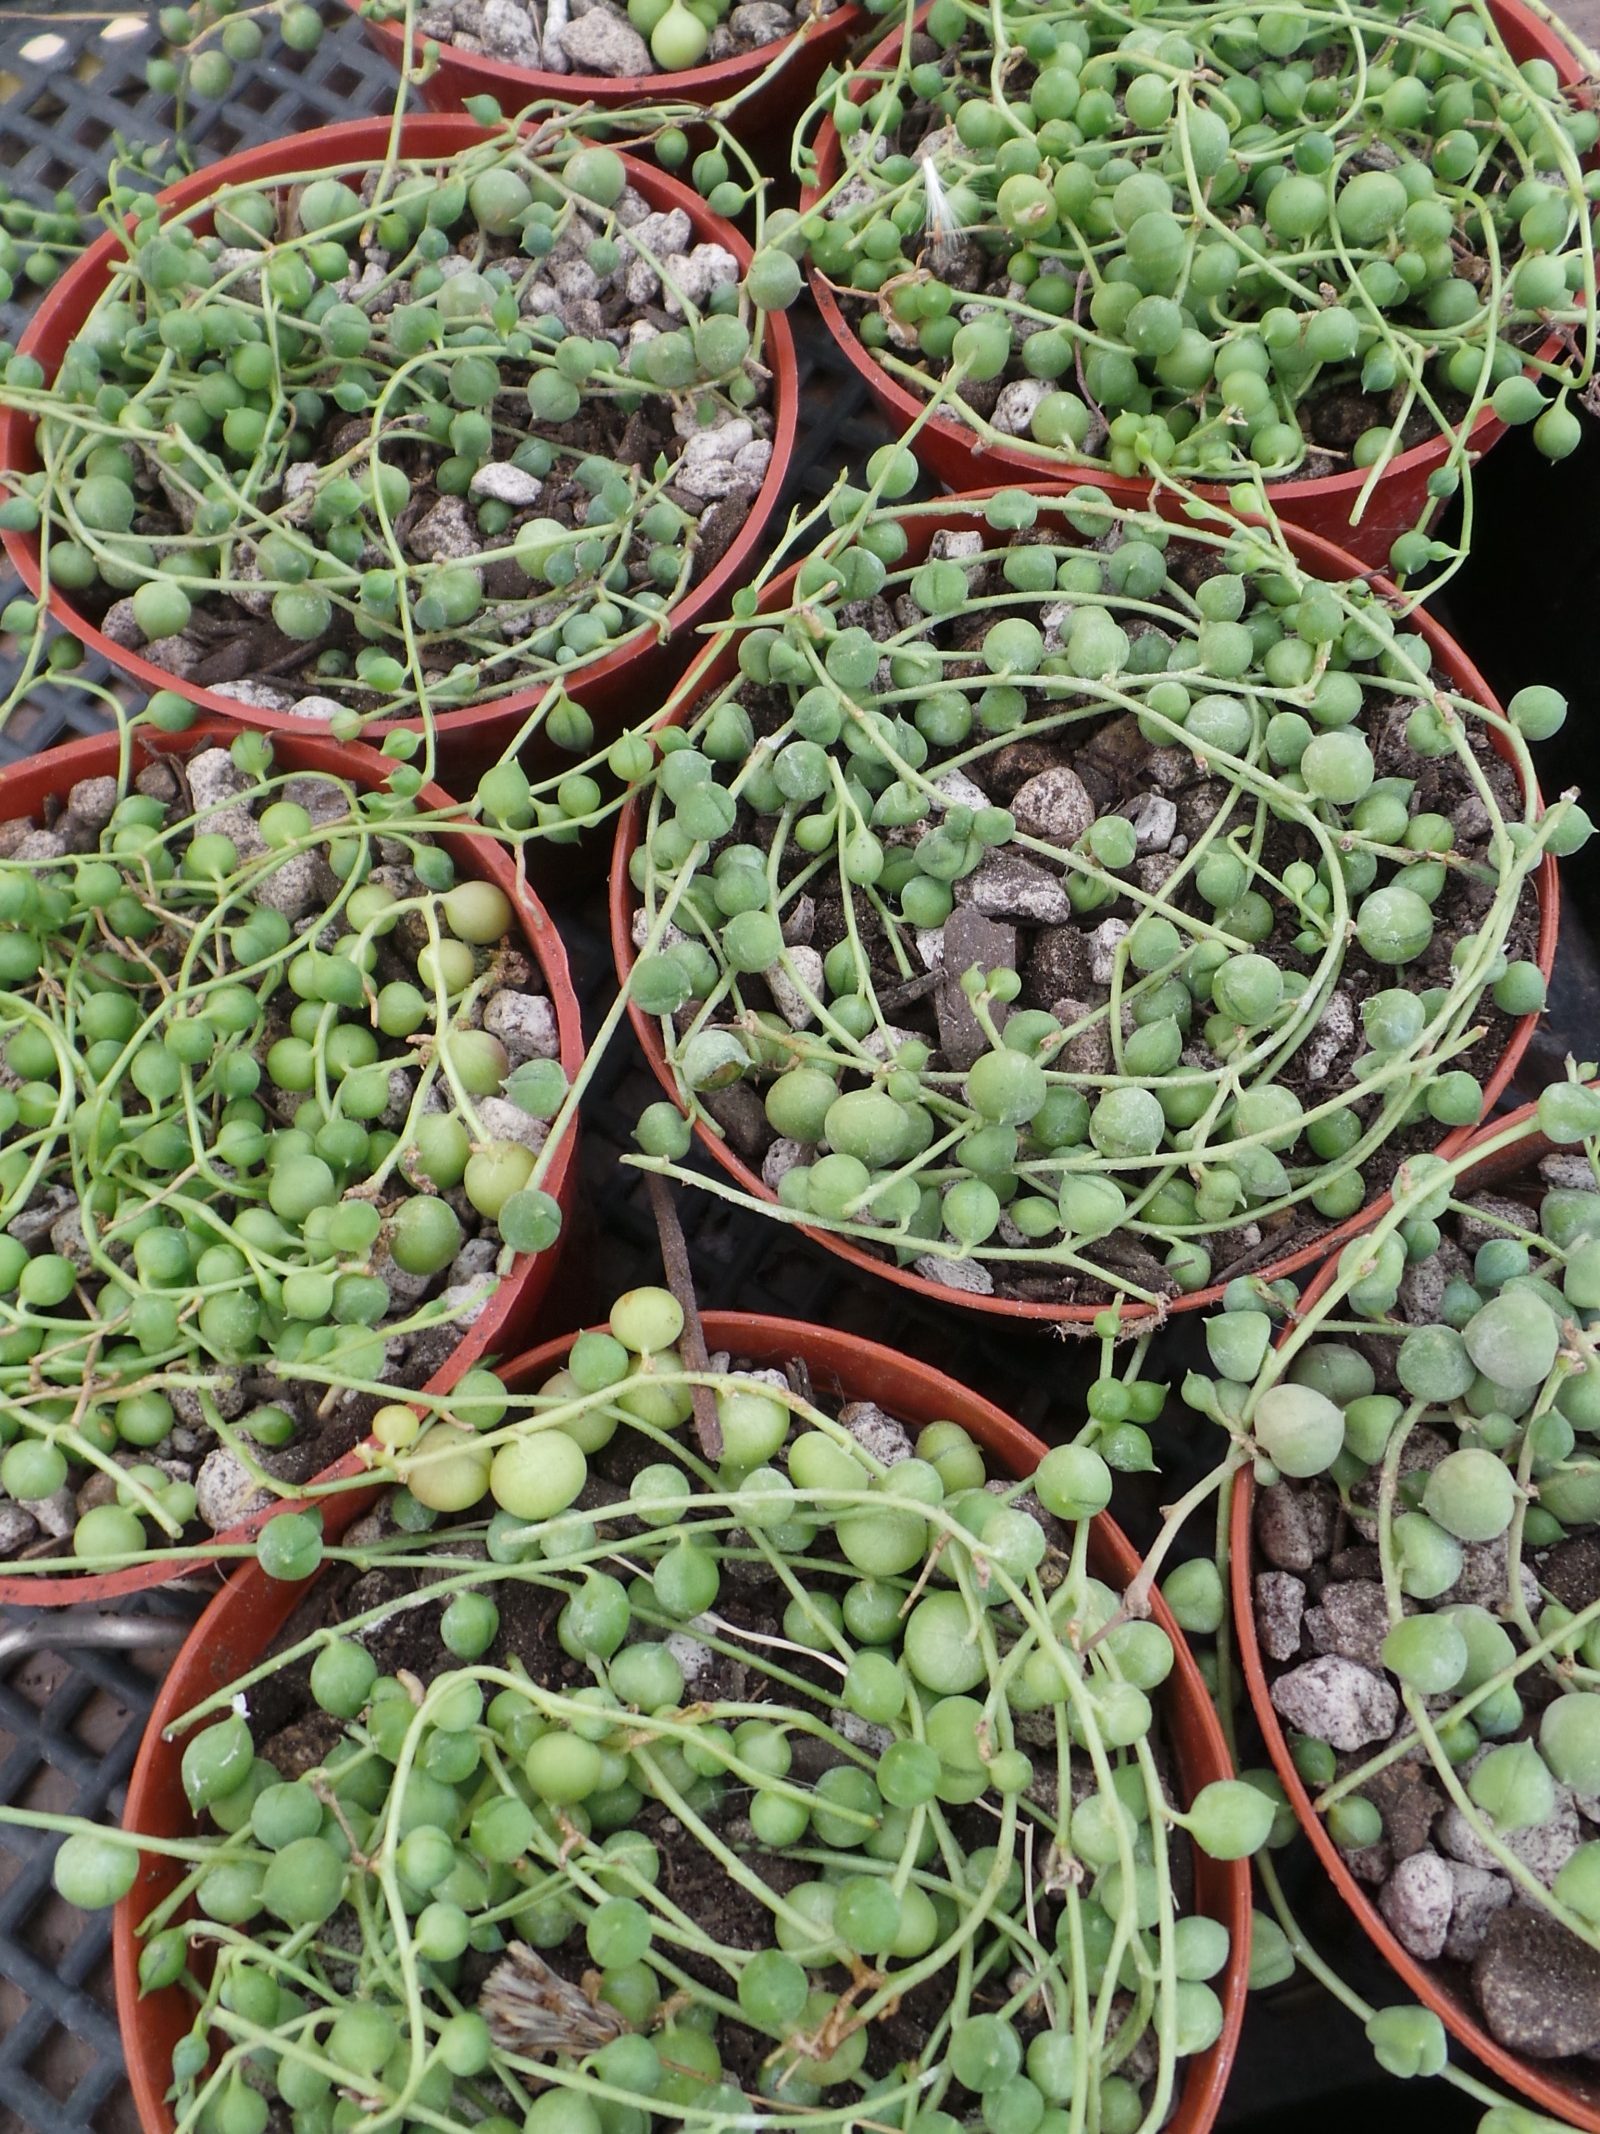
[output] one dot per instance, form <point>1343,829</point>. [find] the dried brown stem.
<point>680,1280</point>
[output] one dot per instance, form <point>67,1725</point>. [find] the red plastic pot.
<point>768,115</point>
<point>718,664</point>
<point>473,736</point>
<point>243,1620</point>
<point>1320,505</point>
<point>507,1318</point>
<point>1569,2097</point>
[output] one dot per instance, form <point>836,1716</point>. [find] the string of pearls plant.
<point>1219,243</point>
<point>1445,1385</point>
<point>803,1677</point>
<point>205,43</point>
<point>387,441</point>
<point>36,242</point>
<point>254,1134</point>
<point>1015,1027</point>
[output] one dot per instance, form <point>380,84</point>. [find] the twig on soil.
<point>680,1280</point>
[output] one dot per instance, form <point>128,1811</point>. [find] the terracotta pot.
<point>507,1318</point>
<point>765,119</point>
<point>242,1621</point>
<point>1321,505</point>
<point>718,665</point>
<point>1571,2098</point>
<point>474,736</point>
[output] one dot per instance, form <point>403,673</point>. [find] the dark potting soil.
<point>328,1422</point>
<point>1120,770</point>
<point>294,1735</point>
<point>1332,415</point>
<point>1318,1598</point>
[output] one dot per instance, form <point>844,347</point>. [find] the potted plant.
<point>755,62</point>
<point>285,1040</point>
<point>1062,907</point>
<point>1369,249</point>
<point>763,63</point>
<point>783,1782</point>
<point>395,444</point>
<point>1413,1585</point>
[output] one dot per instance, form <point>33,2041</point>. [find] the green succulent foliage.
<point>207,42</point>
<point>1445,1382</point>
<point>1128,1136</point>
<point>251,421</point>
<point>36,242</point>
<point>1211,220</point>
<point>884,1791</point>
<point>208,1169</point>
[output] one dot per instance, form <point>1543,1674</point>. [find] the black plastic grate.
<point>70,1723</point>
<point>69,1727</point>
